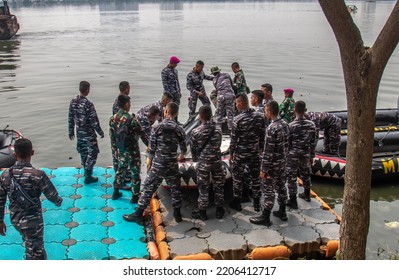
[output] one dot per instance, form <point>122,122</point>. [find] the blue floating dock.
<point>75,230</point>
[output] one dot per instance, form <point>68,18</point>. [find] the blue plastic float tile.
<point>110,171</point>
<point>121,203</point>
<point>57,217</point>
<point>88,251</point>
<point>47,170</point>
<point>89,232</point>
<point>101,180</point>
<point>65,171</point>
<point>65,191</point>
<point>12,237</point>
<point>128,249</point>
<point>99,171</point>
<point>55,233</point>
<point>89,216</point>
<point>116,216</point>
<point>56,251</point>
<point>12,252</point>
<point>91,191</point>
<point>64,181</point>
<point>66,204</point>
<point>7,220</point>
<point>126,231</point>
<point>90,203</point>
<point>1,171</point>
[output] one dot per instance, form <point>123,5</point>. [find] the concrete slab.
<point>300,239</point>
<point>318,216</point>
<point>328,232</point>
<point>179,246</point>
<point>227,246</point>
<point>263,238</point>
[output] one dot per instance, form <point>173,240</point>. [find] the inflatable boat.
<point>7,140</point>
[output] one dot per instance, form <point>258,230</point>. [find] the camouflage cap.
<point>215,70</point>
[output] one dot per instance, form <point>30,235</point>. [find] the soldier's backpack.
<point>18,194</point>
<point>122,132</point>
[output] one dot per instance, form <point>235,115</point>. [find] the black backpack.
<point>18,195</point>
<point>122,132</point>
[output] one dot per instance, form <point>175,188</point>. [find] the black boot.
<point>305,195</point>
<point>292,203</point>
<point>246,195</point>
<point>136,217</point>
<point>219,212</point>
<point>177,215</point>
<point>281,213</point>
<point>116,194</point>
<point>134,199</point>
<point>201,214</point>
<point>257,204</point>
<point>236,204</point>
<point>263,219</point>
<point>88,178</point>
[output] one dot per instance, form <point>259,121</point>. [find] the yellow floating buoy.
<point>270,253</point>
<point>199,256</point>
<point>156,219</point>
<point>332,248</point>
<point>164,251</point>
<point>153,250</point>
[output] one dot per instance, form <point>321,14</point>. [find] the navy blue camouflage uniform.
<point>302,141</point>
<point>225,99</point>
<point>142,117</point>
<point>331,124</point>
<point>165,140</point>
<point>195,86</point>
<point>28,221</point>
<point>83,115</point>
<point>205,150</point>
<point>274,162</point>
<point>170,82</point>
<point>247,138</point>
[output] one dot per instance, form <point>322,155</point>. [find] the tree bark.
<point>363,68</point>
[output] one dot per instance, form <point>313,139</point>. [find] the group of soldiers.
<point>271,145</point>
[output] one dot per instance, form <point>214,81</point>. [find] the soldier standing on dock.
<point>239,81</point>
<point>287,106</point>
<point>24,184</point>
<point>165,140</point>
<point>170,79</point>
<point>83,115</point>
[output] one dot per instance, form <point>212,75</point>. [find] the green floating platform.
<point>88,225</point>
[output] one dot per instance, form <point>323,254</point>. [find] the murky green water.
<point>288,44</point>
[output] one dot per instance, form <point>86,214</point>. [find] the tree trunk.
<point>363,68</point>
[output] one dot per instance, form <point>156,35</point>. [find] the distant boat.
<point>9,25</point>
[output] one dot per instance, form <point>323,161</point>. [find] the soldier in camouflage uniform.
<point>287,106</point>
<point>332,130</point>
<point>205,150</point>
<point>196,87</point>
<point>273,166</point>
<point>129,153</point>
<point>239,82</point>
<point>267,90</point>
<point>247,137</point>
<point>302,141</point>
<point>148,114</point>
<point>170,79</point>
<point>225,97</point>
<point>257,102</point>
<point>82,114</point>
<point>165,140</point>
<point>27,219</point>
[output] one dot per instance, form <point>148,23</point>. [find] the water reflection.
<point>9,62</point>
<point>118,6</point>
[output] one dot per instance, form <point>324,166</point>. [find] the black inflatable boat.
<point>7,140</point>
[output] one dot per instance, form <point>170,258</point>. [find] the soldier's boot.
<point>246,196</point>
<point>201,214</point>
<point>135,198</point>
<point>89,178</point>
<point>136,217</point>
<point>305,195</point>
<point>257,204</point>
<point>116,194</point>
<point>219,212</point>
<point>263,219</point>
<point>281,213</point>
<point>292,203</point>
<point>236,204</point>
<point>177,215</point>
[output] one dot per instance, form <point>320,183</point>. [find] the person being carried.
<point>196,87</point>
<point>150,113</point>
<point>331,124</point>
<point>23,185</point>
<point>83,115</point>
<point>273,167</point>
<point>302,140</point>
<point>239,81</point>
<point>287,106</point>
<point>165,140</point>
<point>205,150</point>
<point>126,147</point>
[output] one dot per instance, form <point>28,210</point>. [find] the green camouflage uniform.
<point>286,109</point>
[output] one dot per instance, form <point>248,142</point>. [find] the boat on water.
<point>9,25</point>
<point>7,141</point>
<point>385,164</point>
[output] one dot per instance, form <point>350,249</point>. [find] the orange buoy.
<point>200,256</point>
<point>158,229</point>
<point>153,250</point>
<point>270,253</point>
<point>154,205</point>
<point>156,219</point>
<point>160,236</point>
<point>163,249</point>
<point>332,248</point>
